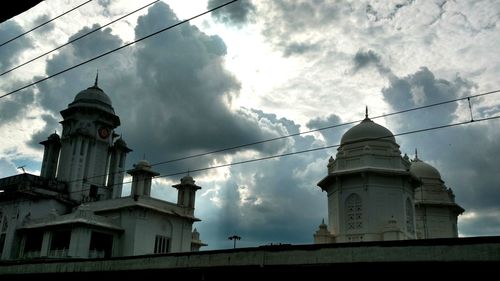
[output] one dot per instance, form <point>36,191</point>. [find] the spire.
<point>366,112</point>
<point>416,153</point>
<point>323,221</point>
<point>96,79</point>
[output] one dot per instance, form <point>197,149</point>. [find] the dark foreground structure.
<point>450,257</point>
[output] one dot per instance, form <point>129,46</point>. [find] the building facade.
<point>375,194</point>
<point>75,208</point>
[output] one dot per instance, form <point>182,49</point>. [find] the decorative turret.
<point>435,209</point>
<point>50,156</point>
<point>142,176</point>
<point>186,192</point>
<point>322,235</point>
<point>117,166</point>
<point>196,243</point>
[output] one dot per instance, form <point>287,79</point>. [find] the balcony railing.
<point>58,253</point>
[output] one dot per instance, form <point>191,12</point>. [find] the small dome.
<point>187,179</point>
<point>366,130</point>
<point>421,169</point>
<point>142,164</point>
<point>120,142</point>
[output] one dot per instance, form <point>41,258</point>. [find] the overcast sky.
<point>257,70</point>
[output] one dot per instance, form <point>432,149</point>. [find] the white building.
<point>375,194</point>
<point>75,208</point>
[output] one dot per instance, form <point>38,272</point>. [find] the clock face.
<point>103,132</point>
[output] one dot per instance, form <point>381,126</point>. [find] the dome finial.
<point>96,79</point>
<point>366,112</point>
<point>416,153</point>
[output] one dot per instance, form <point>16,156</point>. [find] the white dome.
<point>142,164</point>
<point>367,130</point>
<point>421,169</point>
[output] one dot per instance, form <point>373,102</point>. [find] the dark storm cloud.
<point>466,156</point>
<point>272,201</point>
<point>171,92</point>
<point>237,13</point>
<point>9,53</point>
<point>299,48</point>
<point>333,135</point>
<point>185,93</point>
<point>42,20</point>
<point>422,88</point>
<point>51,126</point>
<point>292,25</point>
<point>388,13</point>
<point>55,94</point>
<point>364,59</point>
<point>13,106</point>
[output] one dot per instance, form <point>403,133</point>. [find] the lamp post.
<point>234,238</point>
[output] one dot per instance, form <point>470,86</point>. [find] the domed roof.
<point>366,130</point>
<point>421,169</point>
<point>187,179</point>
<point>93,93</point>
<point>142,164</point>
<point>54,136</point>
<point>93,97</point>
<point>120,142</point>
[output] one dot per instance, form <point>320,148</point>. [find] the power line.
<point>322,128</point>
<point>300,133</point>
<point>78,38</point>
<point>40,25</point>
<point>117,49</point>
<point>304,151</point>
<point>325,147</point>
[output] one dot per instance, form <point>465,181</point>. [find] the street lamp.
<point>234,238</point>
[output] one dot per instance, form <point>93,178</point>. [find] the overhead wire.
<point>328,146</point>
<point>117,49</point>
<point>321,129</point>
<point>77,38</point>
<point>42,24</point>
<point>301,133</point>
<point>475,121</point>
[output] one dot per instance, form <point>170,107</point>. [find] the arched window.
<point>409,216</point>
<point>354,213</point>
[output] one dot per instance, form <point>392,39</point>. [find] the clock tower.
<point>87,146</point>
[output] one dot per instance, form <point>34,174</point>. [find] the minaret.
<point>196,243</point>
<point>87,136</point>
<point>117,167</point>
<point>50,156</point>
<point>322,235</point>
<point>186,193</point>
<point>142,176</point>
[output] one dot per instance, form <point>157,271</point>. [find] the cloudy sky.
<point>257,70</point>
